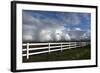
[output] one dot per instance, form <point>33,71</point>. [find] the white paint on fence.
<point>48,46</point>
<point>27,50</point>
<point>61,47</point>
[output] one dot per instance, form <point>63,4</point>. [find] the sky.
<point>42,26</point>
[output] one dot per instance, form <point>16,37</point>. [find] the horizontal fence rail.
<point>38,48</point>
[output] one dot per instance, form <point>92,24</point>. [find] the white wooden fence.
<point>48,47</point>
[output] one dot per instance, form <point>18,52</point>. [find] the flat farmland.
<point>80,53</point>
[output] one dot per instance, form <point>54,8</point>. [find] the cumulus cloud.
<point>44,26</point>
<point>86,35</point>
<point>78,29</point>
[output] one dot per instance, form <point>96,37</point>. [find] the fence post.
<point>61,47</point>
<point>69,45</point>
<point>27,50</point>
<point>49,47</point>
<point>75,44</point>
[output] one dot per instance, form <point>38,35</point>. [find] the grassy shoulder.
<point>80,53</point>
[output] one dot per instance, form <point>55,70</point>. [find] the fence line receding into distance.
<point>49,47</point>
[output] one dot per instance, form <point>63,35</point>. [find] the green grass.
<point>68,54</point>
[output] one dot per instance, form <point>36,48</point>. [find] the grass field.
<point>80,53</point>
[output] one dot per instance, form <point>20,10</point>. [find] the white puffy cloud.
<point>77,29</point>
<point>39,28</point>
<point>86,35</point>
